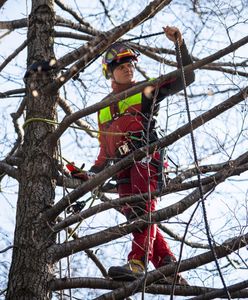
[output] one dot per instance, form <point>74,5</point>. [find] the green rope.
<point>52,122</point>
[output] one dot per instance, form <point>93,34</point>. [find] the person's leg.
<point>143,177</point>
<point>135,266</point>
<point>141,244</point>
<point>161,250</point>
<point>162,255</point>
<point>157,248</point>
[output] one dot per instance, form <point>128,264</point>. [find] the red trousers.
<point>142,177</point>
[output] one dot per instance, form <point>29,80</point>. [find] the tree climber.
<point>133,117</point>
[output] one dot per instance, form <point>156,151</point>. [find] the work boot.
<point>129,272</point>
<point>170,278</point>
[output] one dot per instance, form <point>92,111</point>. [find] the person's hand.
<point>76,172</point>
<point>173,34</point>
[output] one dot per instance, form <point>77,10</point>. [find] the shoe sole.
<point>121,274</point>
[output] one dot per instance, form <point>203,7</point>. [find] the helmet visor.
<point>117,52</point>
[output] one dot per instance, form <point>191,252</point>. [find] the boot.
<point>129,272</point>
<point>170,278</point>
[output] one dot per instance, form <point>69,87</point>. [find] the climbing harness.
<point>77,207</point>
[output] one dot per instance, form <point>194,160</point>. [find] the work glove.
<point>76,172</point>
<point>173,34</point>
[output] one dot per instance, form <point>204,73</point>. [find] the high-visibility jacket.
<point>131,115</point>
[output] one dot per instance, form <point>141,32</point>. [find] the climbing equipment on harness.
<point>77,207</point>
<point>115,54</point>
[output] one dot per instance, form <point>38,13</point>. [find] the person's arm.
<point>174,85</point>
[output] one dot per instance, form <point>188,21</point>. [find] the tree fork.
<point>30,271</point>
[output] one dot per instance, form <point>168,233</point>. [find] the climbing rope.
<point>202,200</point>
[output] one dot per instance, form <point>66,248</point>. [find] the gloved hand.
<point>173,34</point>
<point>76,172</point>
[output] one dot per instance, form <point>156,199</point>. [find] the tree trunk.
<point>30,270</point>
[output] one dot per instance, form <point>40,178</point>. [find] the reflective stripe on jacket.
<point>105,114</point>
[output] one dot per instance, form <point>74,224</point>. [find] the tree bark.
<point>30,271</point>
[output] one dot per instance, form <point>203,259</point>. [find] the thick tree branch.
<point>99,283</point>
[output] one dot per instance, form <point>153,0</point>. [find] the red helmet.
<point>117,53</point>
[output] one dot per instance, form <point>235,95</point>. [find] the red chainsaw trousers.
<point>142,176</point>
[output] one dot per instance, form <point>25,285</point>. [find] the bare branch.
<point>79,27</point>
<point>6,249</point>
<point>10,93</point>
<point>13,55</point>
<point>73,13</point>
<point>180,239</point>
<point>15,24</point>
<point>221,292</point>
<point>83,124</point>
<point>9,170</point>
